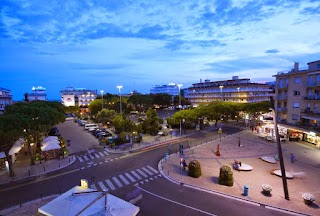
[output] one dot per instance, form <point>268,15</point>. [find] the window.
<point>308,105</point>
<point>295,105</point>
<point>295,117</point>
<point>318,66</point>
<point>296,93</point>
<point>315,106</point>
<point>297,80</point>
<point>318,77</point>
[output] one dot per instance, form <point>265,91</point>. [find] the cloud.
<point>272,51</point>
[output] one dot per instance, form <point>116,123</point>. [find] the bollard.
<point>245,190</point>
<point>44,168</point>
<point>29,172</point>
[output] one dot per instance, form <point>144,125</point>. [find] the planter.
<point>308,202</point>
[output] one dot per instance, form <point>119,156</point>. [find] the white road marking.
<point>151,179</point>
<point>102,155</point>
<point>109,183</point>
<point>117,181</point>
<point>142,173</point>
<point>106,153</point>
<point>100,183</point>
<point>181,204</point>
<point>130,177</point>
<point>91,156</point>
<point>80,159</point>
<point>111,160</point>
<point>86,158</point>
<point>124,179</point>
<point>154,170</point>
<point>82,167</point>
<point>136,175</point>
<point>116,158</point>
<point>100,162</point>
<point>97,156</point>
<point>147,171</point>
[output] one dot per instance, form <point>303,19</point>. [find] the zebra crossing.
<point>141,175</point>
<point>92,156</point>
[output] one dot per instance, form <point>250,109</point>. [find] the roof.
<point>313,62</point>
<point>86,201</point>
<point>3,89</point>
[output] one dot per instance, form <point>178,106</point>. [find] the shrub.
<point>226,175</point>
<point>194,169</point>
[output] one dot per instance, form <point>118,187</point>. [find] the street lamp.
<point>221,87</point>
<point>179,86</point>
<point>101,91</point>
<point>238,92</point>
<point>120,87</point>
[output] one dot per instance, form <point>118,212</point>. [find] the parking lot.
<point>80,139</point>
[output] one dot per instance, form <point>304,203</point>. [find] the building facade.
<point>80,97</point>
<point>297,101</point>
<point>234,90</point>
<point>171,89</point>
<point>38,93</point>
<point>5,98</point>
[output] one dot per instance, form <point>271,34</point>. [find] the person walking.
<point>292,158</point>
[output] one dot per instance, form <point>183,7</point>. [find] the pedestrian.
<point>184,163</point>
<point>292,158</point>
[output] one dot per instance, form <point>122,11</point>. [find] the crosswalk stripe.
<point>80,159</point>
<point>142,173</point>
<point>147,171</point>
<point>97,156</point>
<point>124,179</point>
<point>130,177</point>
<point>136,175</point>
<point>109,183</point>
<point>102,155</point>
<point>154,170</point>
<point>86,158</point>
<point>100,162</point>
<point>117,181</point>
<point>100,183</point>
<point>91,156</point>
<point>151,179</point>
<point>105,152</point>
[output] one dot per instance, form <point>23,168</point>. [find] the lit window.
<point>295,117</point>
<point>297,80</point>
<point>295,105</point>
<point>296,93</point>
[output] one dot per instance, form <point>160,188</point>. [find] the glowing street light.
<point>120,87</point>
<point>238,92</point>
<point>101,91</point>
<point>221,87</point>
<point>179,86</point>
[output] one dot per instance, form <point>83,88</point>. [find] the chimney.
<point>296,67</point>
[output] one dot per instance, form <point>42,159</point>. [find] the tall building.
<point>297,102</point>
<point>5,98</point>
<point>77,96</point>
<point>171,89</point>
<point>234,90</point>
<point>38,93</point>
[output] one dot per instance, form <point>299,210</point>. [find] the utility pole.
<point>283,171</point>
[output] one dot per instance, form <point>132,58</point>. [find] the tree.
<point>163,100</point>
<point>152,123</point>
<point>140,102</point>
<point>72,109</point>
<point>105,116</point>
<point>123,124</point>
<point>95,106</point>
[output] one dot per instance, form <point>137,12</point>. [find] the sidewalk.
<point>253,147</point>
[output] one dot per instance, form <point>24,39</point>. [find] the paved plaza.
<point>306,169</point>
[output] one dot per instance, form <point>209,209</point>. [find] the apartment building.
<point>171,89</point>
<point>234,90</point>
<point>77,97</point>
<point>38,93</point>
<point>5,98</point>
<point>298,101</point>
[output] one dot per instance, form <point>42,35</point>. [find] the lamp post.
<point>101,91</point>
<point>179,86</point>
<point>120,87</point>
<point>238,92</point>
<point>221,87</point>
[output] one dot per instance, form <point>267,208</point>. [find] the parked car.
<point>88,125</point>
<point>92,128</point>
<point>82,122</point>
<point>53,131</point>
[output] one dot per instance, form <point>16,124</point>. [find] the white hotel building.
<point>170,89</point>
<point>235,90</point>
<point>78,97</point>
<point>5,98</point>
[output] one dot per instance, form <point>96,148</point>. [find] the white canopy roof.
<point>15,148</point>
<point>50,143</point>
<point>50,138</point>
<point>86,201</point>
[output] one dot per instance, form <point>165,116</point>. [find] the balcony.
<point>282,86</point>
<point>314,97</point>
<point>282,109</point>
<point>282,97</point>
<point>314,84</point>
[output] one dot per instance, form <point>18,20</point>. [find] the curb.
<point>160,168</point>
<point>74,158</point>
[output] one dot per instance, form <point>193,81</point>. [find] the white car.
<point>92,128</point>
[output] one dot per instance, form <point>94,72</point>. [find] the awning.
<point>17,146</point>
<point>311,117</point>
<point>49,138</point>
<point>50,146</point>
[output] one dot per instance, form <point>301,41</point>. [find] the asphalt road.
<point>160,197</point>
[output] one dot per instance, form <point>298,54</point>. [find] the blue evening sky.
<point>99,44</point>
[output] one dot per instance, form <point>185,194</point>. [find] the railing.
<point>314,97</point>
<point>282,97</point>
<point>282,109</point>
<point>281,86</point>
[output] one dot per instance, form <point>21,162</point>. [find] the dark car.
<point>53,131</point>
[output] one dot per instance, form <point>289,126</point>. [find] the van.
<point>87,126</point>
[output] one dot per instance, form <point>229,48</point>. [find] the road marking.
<point>136,175</point>
<point>175,202</point>
<point>95,164</point>
<point>111,160</point>
<point>80,159</point>
<point>86,158</point>
<point>124,179</point>
<point>106,153</point>
<point>130,177</point>
<point>142,173</point>
<point>141,182</point>
<point>154,170</point>
<point>91,156</point>
<point>117,181</point>
<point>97,156</point>
<point>111,186</point>
<point>89,166</point>
<point>106,161</point>
<point>151,179</point>
<point>100,183</point>
<point>116,158</point>
<point>147,171</point>
<point>82,168</point>
<point>100,162</point>
<point>146,180</point>
<point>102,155</point>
